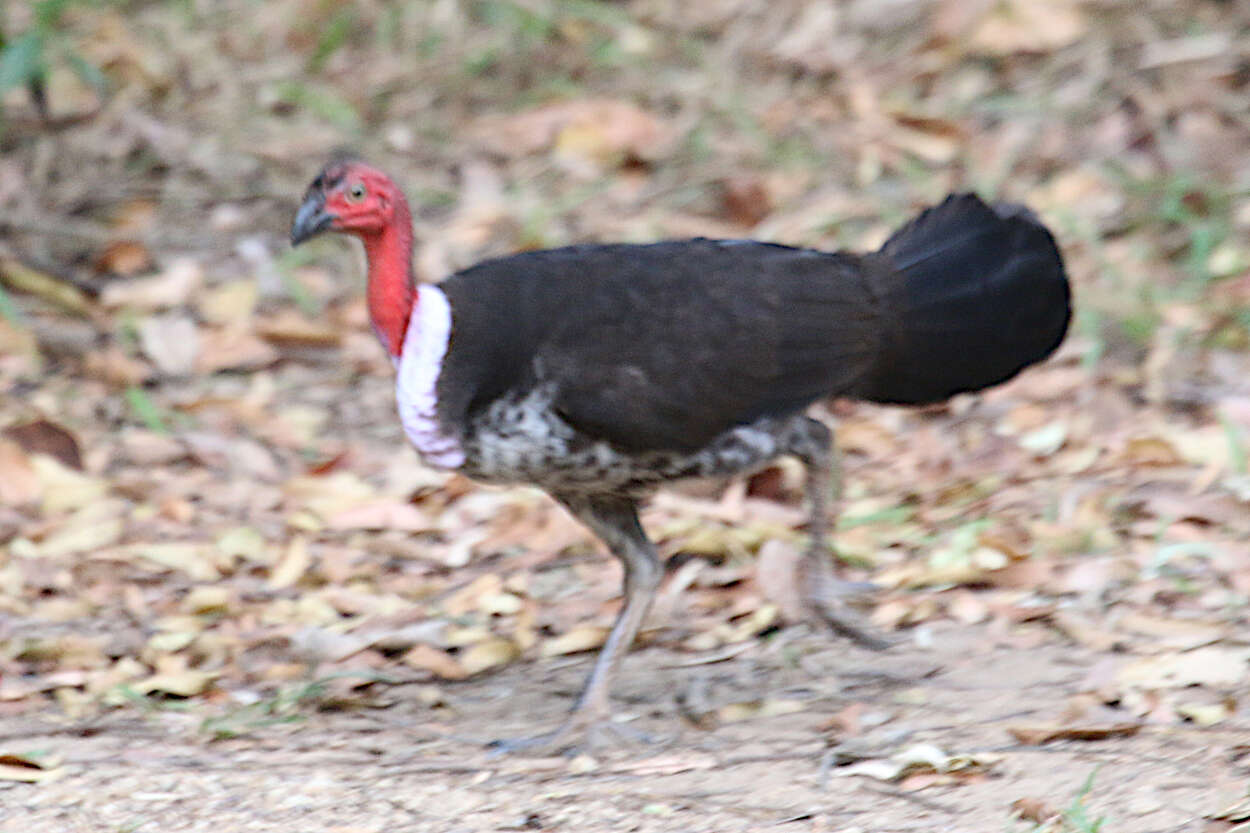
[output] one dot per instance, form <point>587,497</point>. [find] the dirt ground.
<point>396,769</point>
<point>232,599</point>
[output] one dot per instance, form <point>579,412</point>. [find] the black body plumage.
<point>663,350</point>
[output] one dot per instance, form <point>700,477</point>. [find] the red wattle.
<point>392,289</point>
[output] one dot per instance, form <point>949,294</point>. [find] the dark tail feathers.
<point>975,294</point>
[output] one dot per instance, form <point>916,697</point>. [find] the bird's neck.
<point>392,289</point>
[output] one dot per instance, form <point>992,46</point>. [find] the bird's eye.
<point>356,193</point>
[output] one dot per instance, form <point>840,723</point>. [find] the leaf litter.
<point>200,459</point>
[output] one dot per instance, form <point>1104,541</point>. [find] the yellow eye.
<point>356,193</point>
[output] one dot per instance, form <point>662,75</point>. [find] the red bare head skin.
<point>362,199</point>
<point>353,197</point>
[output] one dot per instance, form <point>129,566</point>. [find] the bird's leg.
<point>813,445</point>
<point>615,521</point>
<point>823,593</point>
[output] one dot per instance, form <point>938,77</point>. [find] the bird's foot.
<point>841,624</point>
<point>831,600</point>
<point>577,734</point>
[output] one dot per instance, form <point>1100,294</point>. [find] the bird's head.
<point>352,197</point>
<point>348,196</point>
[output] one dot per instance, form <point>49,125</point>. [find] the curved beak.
<point>311,219</point>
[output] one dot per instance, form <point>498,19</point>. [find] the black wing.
<point>664,346</point>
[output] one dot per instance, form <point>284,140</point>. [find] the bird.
<point>600,372</point>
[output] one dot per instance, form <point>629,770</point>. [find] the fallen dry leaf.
<point>1211,666</point>
<point>436,661</point>
<point>922,758</point>
<point>1008,26</point>
<point>772,707</point>
<point>224,349</point>
<point>170,342</point>
<point>383,513</point>
<point>292,565</point>
<point>198,560</point>
<point>1033,809</point>
<point>65,489</point>
<point>489,653</point>
<point>184,683</point>
<point>290,329</point>
<point>1204,714</point>
<point>123,258</point>
<point>44,437</point>
<point>1038,734</point>
<point>230,305</point>
<point>171,288</point>
<point>19,484</point>
<point>574,641</point>
<point>593,132</point>
<point>23,278</point>
<point>29,769</point>
<point>1181,634</point>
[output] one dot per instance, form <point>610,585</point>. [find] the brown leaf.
<point>1151,451</point>
<point>19,484</point>
<point>436,661</point>
<point>466,598</point>
<point>1032,809</point>
<point>1182,634</point>
<point>29,769</point>
<point>171,343</point>
<point>123,258</point>
<point>172,288</point>
<point>147,448</point>
<point>44,437</point>
<point>1027,26</point>
<point>489,653</point>
<point>967,607</point>
<point>580,638</point>
<point>134,215</point>
<point>1084,631</point>
<point>290,329</point>
<point>382,513</point>
<point>846,723</point>
<point>1038,734</point>
<point>112,364</point>
<point>588,132</point>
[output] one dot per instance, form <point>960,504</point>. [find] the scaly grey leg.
<point>615,520</point>
<point>823,592</point>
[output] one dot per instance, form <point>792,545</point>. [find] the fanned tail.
<point>973,295</point>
